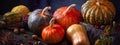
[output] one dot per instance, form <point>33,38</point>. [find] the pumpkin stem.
<point>45,9</point>
<point>69,7</point>
<point>51,23</point>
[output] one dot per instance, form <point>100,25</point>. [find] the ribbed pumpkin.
<point>38,19</point>
<point>53,33</point>
<point>67,16</point>
<point>11,18</point>
<point>21,9</point>
<point>98,12</point>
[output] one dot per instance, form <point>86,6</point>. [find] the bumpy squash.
<point>38,19</point>
<point>98,12</point>
<point>21,9</point>
<point>77,34</point>
<point>11,18</point>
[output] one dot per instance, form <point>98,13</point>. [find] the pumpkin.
<point>38,19</point>
<point>21,9</point>
<point>67,15</point>
<point>11,18</point>
<point>53,33</point>
<point>77,34</point>
<point>98,12</point>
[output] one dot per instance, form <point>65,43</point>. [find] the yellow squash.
<point>21,9</point>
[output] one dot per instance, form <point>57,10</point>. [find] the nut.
<point>30,42</point>
<point>102,27</point>
<point>36,43</point>
<point>34,36</point>
<point>22,30</point>
<point>39,43</point>
<point>16,30</point>
<point>25,35</point>
<point>21,44</point>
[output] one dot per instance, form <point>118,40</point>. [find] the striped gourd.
<point>98,11</point>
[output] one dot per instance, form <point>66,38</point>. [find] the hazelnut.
<point>30,42</point>
<point>25,35</point>
<point>102,26</point>
<point>21,44</point>
<point>39,42</point>
<point>36,43</point>
<point>34,36</point>
<point>22,30</point>
<point>16,30</point>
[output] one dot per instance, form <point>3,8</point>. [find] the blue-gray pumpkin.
<point>38,19</point>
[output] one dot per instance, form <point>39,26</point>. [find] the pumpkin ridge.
<point>103,14</point>
<point>99,16</point>
<point>108,17</point>
<point>87,15</point>
<point>92,20</point>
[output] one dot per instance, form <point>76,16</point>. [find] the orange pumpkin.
<point>66,16</point>
<point>53,33</point>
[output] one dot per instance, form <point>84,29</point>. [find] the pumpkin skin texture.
<point>21,9</point>
<point>53,34</point>
<point>66,16</point>
<point>77,34</point>
<point>98,12</point>
<point>38,19</point>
